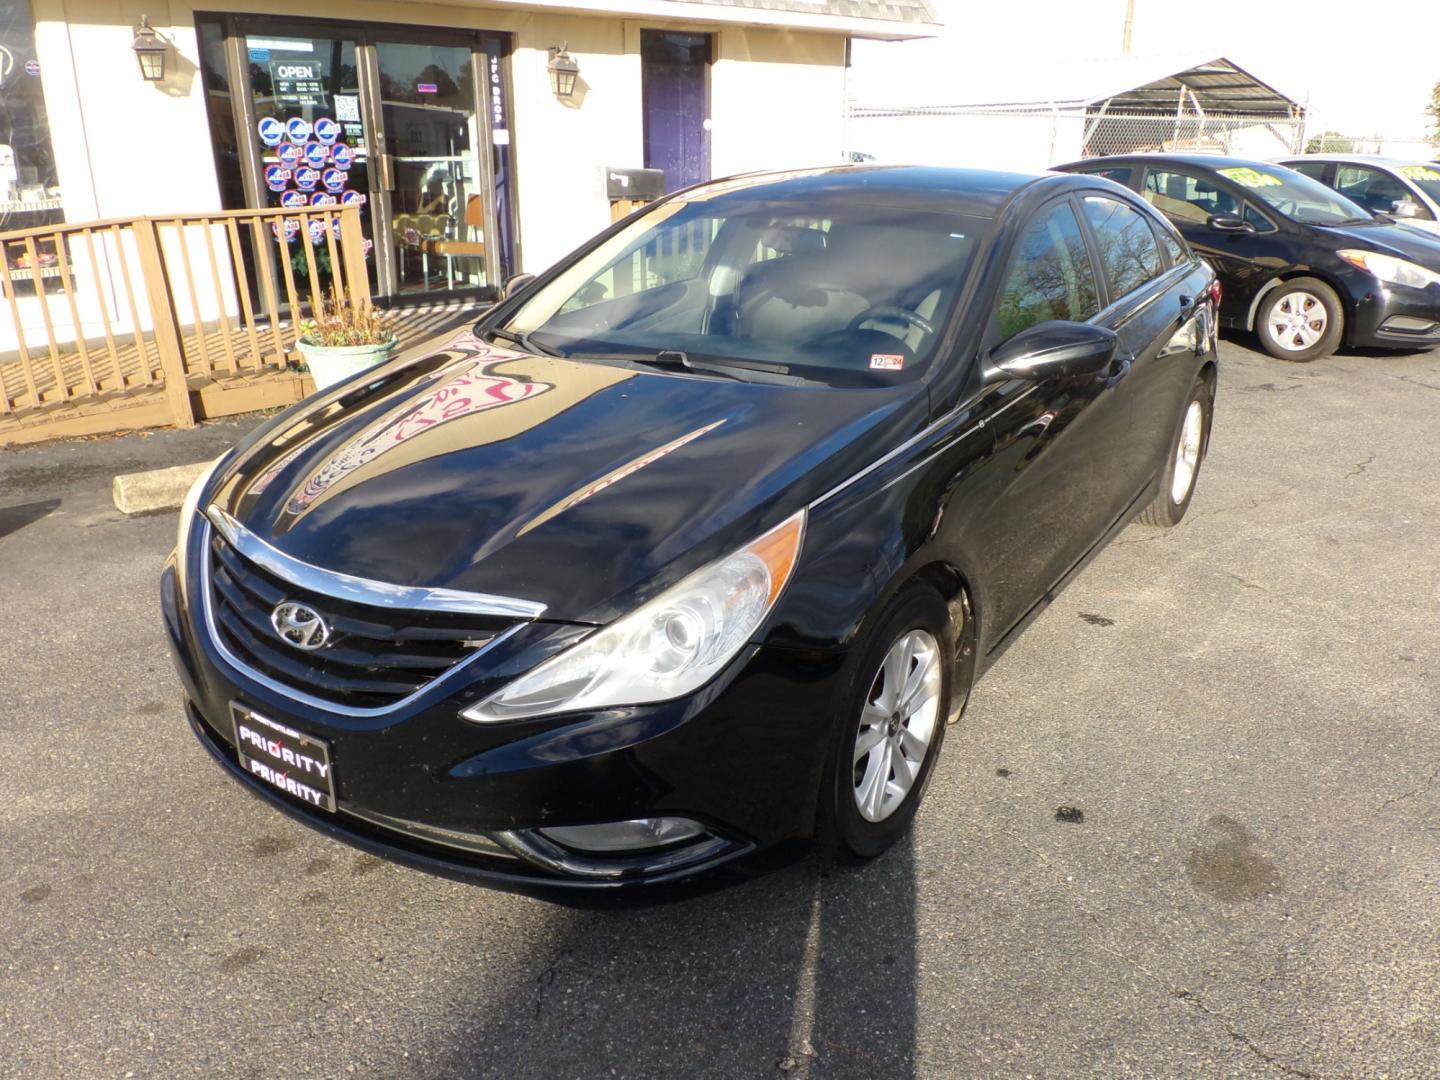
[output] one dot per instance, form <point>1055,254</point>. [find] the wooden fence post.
<point>162,315</point>
<point>352,250</point>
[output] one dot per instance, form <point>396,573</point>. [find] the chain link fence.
<point>1417,146</point>
<point>1036,137</point>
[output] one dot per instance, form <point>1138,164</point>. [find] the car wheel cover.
<point>1187,453</point>
<point>1297,321</point>
<point>897,724</point>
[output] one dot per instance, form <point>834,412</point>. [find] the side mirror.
<point>1405,208</point>
<point>1052,350</point>
<point>1229,223</point>
<point>514,284</point>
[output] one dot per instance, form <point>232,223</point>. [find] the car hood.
<point>586,487</point>
<point>1398,240</point>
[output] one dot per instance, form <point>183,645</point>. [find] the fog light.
<point>1409,324</point>
<point>633,835</point>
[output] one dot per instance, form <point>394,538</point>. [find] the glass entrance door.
<point>410,125</point>
<point>314,147</point>
<point>432,192</point>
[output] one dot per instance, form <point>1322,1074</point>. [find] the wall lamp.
<point>150,49</point>
<point>563,71</point>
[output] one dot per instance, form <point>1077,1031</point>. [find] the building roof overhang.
<point>882,20</point>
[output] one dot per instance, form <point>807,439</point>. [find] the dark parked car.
<point>1304,267</point>
<point>693,545</point>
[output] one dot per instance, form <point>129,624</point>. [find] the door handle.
<point>1187,305</point>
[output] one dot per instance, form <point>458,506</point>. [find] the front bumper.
<point>420,785</point>
<point>1396,317</point>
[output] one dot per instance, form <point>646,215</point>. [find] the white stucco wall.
<point>125,147</point>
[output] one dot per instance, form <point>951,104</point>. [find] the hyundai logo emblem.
<point>300,626</point>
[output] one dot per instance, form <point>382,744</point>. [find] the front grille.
<point>375,656</point>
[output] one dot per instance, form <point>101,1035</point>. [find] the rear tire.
<point>893,713</point>
<point>1187,453</point>
<point>1300,320</point>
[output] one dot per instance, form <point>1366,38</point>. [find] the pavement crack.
<point>1360,467</point>
<point>1421,790</point>
<point>1416,382</point>
<point>1179,994</point>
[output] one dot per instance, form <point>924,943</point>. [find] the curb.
<point>155,490</point>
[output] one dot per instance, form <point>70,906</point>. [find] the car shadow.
<point>1250,340</point>
<point>15,518</point>
<point>809,971</point>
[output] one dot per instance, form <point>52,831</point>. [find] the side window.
<point>1050,275</point>
<point>1257,219</point>
<point>1128,250</point>
<point>1174,250</point>
<point>1313,169</point>
<point>1371,188</point>
<point>1119,173</point>
<point>1187,196</point>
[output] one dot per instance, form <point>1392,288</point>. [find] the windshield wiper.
<point>523,339</point>
<point>744,370</point>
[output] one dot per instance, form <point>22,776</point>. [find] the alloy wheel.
<point>1298,321</point>
<point>897,724</point>
<point>1187,453</point>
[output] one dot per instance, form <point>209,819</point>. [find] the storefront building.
<point>477,140</point>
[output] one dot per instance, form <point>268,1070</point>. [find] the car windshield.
<point>1425,177</point>
<point>1297,197</point>
<point>835,289</point>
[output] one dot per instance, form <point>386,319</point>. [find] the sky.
<point>1361,69</point>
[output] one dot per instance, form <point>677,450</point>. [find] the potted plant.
<point>344,339</point>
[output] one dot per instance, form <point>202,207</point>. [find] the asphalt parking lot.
<point>1246,709</point>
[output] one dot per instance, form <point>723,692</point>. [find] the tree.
<point>1433,111</point>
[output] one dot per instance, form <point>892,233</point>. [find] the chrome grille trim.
<point>360,590</point>
<point>285,690</point>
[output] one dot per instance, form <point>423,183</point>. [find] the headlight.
<point>665,649</point>
<point>188,509</point>
<point>1391,270</point>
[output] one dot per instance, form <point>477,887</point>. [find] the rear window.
<point>1119,173</point>
<point>1128,249</point>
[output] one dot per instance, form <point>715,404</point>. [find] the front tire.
<point>1182,469</point>
<point>1300,321</point>
<point>892,724</point>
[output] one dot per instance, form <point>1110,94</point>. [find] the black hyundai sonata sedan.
<point>696,543</point>
<point>1304,267</point>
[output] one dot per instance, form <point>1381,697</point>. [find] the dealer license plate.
<point>297,764</point>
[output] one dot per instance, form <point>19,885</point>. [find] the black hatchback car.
<point>1304,267</point>
<point>694,544</point>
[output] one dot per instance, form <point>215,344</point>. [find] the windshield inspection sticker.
<point>1251,178</point>
<point>886,361</point>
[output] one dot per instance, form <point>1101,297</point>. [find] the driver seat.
<point>789,301</point>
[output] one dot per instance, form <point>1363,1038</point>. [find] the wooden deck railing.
<point>146,312</point>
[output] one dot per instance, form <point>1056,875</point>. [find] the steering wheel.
<point>889,311</point>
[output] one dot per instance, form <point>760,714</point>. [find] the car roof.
<point>979,192</point>
<point>1205,161</point>
<point>1359,159</point>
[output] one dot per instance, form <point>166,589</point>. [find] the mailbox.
<point>634,185</point>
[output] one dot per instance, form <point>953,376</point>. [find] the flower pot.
<point>329,364</point>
